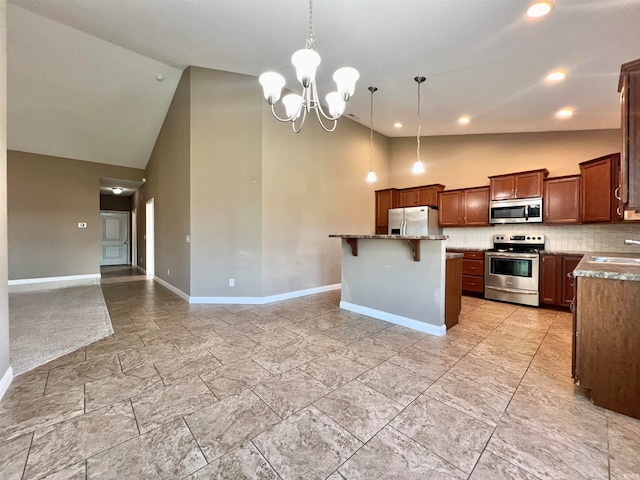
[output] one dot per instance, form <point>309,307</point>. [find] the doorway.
<point>114,242</point>
<point>150,242</point>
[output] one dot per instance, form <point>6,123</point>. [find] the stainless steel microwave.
<point>522,210</point>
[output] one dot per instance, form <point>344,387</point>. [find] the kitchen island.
<point>396,278</point>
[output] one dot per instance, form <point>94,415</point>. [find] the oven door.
<point>516,271</point>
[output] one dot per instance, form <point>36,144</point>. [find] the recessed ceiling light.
<point>556,76</point>
<point>565,113</point>
<point>464,120</point>
<point>117,190</point>
<point>397,125</point>
<point>539,9</point>
<point>160,77</point>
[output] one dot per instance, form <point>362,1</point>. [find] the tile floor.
<point>303,390</point>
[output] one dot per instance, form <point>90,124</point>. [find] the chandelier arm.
<point>319,108</point>
<point>334,120</point>
<point>286,119</point>
<point>303,118</point>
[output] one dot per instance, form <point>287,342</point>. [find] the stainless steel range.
<point>511,269</point>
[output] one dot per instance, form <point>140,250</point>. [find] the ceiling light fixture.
<point>464,120</point>
<point>371,176</point>
<point>565,113</point>
<point>557,75</point>
<point>418,166</point>
<point>397,125</point>
<point>306,62</point>
<point>117,190</point>
<point>160,77</point>
<point>539,9</point>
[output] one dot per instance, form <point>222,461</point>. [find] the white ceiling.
<point>81,74</point>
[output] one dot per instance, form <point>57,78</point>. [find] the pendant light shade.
<point>371,176</point>
<point>418,166</point>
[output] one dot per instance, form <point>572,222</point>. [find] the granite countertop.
<point>454,255</point>
<point>588,267</point>
<point>392,237</point>
<point>467,249</point>
<point>566,252</point>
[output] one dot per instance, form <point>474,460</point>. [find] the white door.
<point>150,240</point>
<point>114,246</point>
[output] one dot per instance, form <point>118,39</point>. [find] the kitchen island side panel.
<point>385,277</point>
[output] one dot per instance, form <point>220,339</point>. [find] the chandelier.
<point>297,107</point>
<point>371,176</point>
<point>418,166</point>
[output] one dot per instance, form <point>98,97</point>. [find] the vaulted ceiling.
<point>81,74</point>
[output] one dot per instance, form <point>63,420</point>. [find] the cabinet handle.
<point>616,193</point>
<point>571,307</point>
<point>619,210</point>
<point>570,275</point>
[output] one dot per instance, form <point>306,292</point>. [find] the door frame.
<point>134,237</point>
<point>150,238</point>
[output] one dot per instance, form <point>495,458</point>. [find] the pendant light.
<point>418,166</point>
<point>371,176</point>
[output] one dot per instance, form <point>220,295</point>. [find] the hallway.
<point>300,389</point>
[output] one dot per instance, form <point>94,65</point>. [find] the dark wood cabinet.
<point>561,202</point>
<point>466,207</point>
<point>453,290</point>
<point>385,199</point>
<point>600,189</point>
<point>518,185</point>
<point>557,287</point>
<point>419,196</point>
<point>472,271</point>
<point>629,88</point>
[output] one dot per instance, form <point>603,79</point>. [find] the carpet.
<point>46,324</point>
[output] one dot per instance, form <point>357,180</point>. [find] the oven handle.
<point>511,290</point>
<point>512,255</point>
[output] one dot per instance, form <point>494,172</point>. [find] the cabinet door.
<point>569,263</point>
<point>384,201</point>
<point>449,214</point>
<point>528,184</point>
<point>502,188</point>
<point>476,206</point>
<point>633,138</point>
<point>427,196</point>
<point>617,210</point>
<point>597,191</point>
<point>548,279</point>
<point>408,197</point>
<point>562,200</point>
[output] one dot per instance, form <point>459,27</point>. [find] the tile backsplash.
<point>603,237</point>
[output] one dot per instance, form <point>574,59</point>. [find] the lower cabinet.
<point>453,284</point>
<point>557,287</point>
<point>472,271</point>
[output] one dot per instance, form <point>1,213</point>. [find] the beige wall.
<point>47,197</point>
<point>4,303</point>
<point>467,160</point>
<point>168,184</point>
<point>313,185</point>
<point>226,184</point>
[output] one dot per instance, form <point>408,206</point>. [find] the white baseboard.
<point>141,269</point>
<point>437,330</point>
<point>48,283</point>
<point>264,300</point>
<point>5,381</point>
<point>175,290</point>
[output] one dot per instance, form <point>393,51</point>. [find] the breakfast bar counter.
<point>396,278</point>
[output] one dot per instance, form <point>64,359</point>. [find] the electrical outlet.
<point>232,282</point>
<point>82,225</point>
<point>168,271</point>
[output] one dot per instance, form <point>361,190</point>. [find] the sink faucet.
<point>630,241</point>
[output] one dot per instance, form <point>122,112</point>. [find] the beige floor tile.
<point>423,363</point>
<point>392,456</point>
<point>276,338</point>
<point>26,386</point>
<point>318,344</point>
<point>104,348</point>
<point>13,456</point>
<point>63,378</point>
<point>394,340</point>
<point>624,446</point>
<point>366,352</point>
<point>242,463</point>
<point>165,404</point>
<point>236,349</point>
<point>306,446</point>
<point>271,322</point>
<point>280,360</point>
<point>122,386</point>
<point>167,452</point>
<point>359,409</point>
<point>395,382</point>
<point>71,441</point>
<point>334,370</point>
<point>491,467</point>
<point>74,472</point>
<point>179,367</point>
<point>147,355</point>
<point>447,432</point>
<point>230,379</point>
<point>290,392</point>
<point>229,423</point>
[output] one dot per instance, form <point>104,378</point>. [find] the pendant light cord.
<point>418,148</point>
<point>371,89</point>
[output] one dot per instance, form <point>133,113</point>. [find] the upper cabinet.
<point>419,196</point>
<point>629,88</point>
<point>385,199</point>
<point>466,207</point>
<point>518,185</point>
<point>561,203</point>
<point>600,199</point>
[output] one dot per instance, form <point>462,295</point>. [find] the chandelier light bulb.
<point>418,167</point>
<point>372,177</point>
<point>306,62</point>
<point>292,105</point>
<point>336,104</point>
<point>272,84</point>
<point>346,78</point>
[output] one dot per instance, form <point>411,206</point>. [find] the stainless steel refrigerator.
<point>414,221</point>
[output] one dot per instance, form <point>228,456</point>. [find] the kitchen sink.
<point>616,260</point>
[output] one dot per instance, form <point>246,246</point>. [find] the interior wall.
<point>461,161</point>
<point>4,295</point>
<point>313,185</point>
<point>226,185</point>
<point>168,183</point>
<point>47,198</point>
